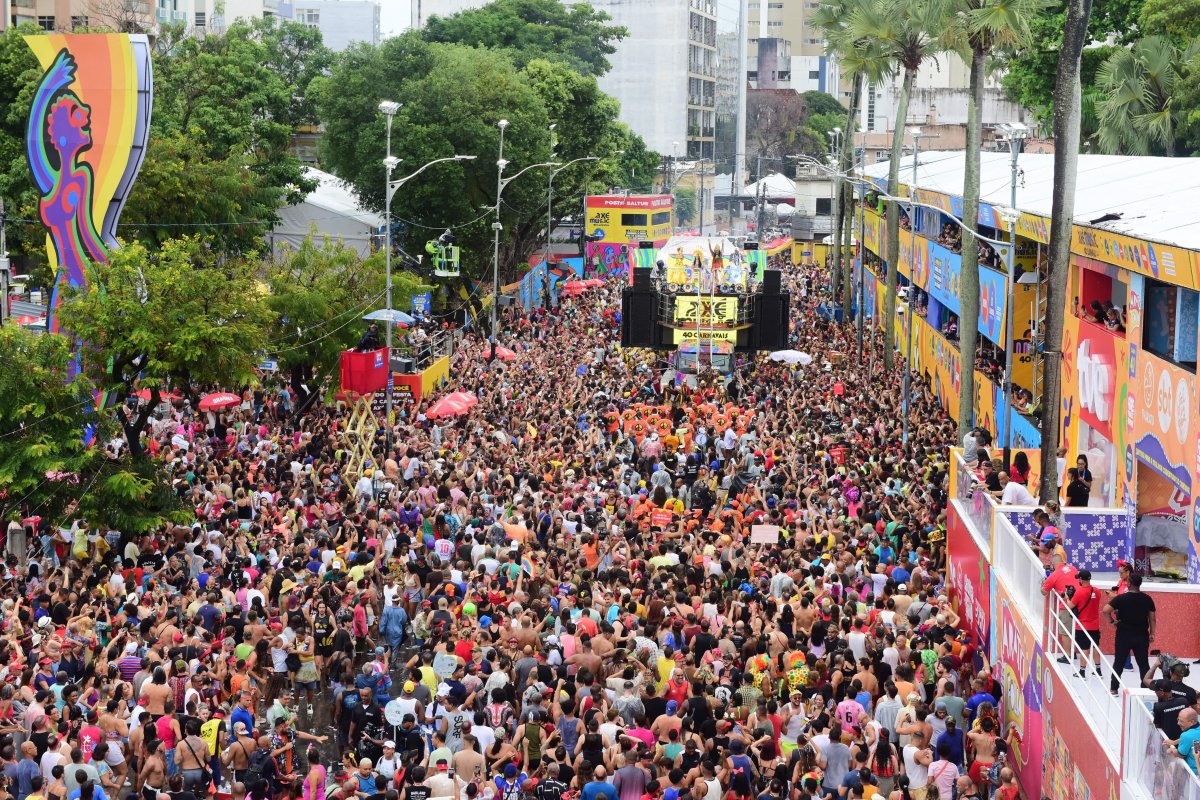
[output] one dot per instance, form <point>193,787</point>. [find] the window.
<point>200,19</point>
<point>774,23</point>
<point>633,220</point>
<point>46,23</point>
<point>1169,323</point>
<point>774,5</point>
<point>311,17</point>
<point>812,41</point>
<point>1101,299</point>
<point>79,22</point>
<point>661,218</point>
<point>814,74</point>
<point>824,206</point>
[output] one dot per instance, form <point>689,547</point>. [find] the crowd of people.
<point>536,600</point>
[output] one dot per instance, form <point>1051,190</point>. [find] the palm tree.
<point>981,27</point>
<point>910,32</point>
<point>1067,116</point>
<point>1139,110</point>
<point>862,59</point>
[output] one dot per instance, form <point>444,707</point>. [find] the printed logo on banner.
<point>378,359</point>
<point>1095,382</point>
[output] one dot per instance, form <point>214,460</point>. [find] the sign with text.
<point>764,534</point>
<point>706,311</point>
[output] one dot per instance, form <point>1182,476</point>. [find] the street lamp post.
<point>390,163</point>
<point>1015,135</point>
<point>917,135</point>
<point>550,201</point>
<point>389,109</point>
<point>835,210</point>
<point>501,182</point>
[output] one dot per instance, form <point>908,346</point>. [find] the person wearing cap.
<point>238,752</point>
<point>1166,708</point>
<point>389,763</point>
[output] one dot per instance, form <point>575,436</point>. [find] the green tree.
<point>1140,111</point>
<point>910,33</point>
<point>1029,71</point>
<point>453,97</point>
<point>319,294</point>
<point>42,419</point>
<point>19,76</point>
<point>183,317</point>
<point>822,103</point>
<point>982,26</point>
<point>1177,18</point>
<point>226,106</point>
<point>47,468</point>
<point>685,205</point>
<point>575,34</point>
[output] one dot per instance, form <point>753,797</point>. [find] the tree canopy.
<point>452,98</point>
<point>179,317</point>
<point>575,34</point>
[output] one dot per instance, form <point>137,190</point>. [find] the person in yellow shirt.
<point>666,665</point>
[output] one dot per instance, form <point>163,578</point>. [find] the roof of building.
<point>774,185</point>
<point>1152,199</point>
<point>335,195</point>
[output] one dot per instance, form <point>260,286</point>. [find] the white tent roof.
<point>332,210</point>
<point>1155,198</point>
<point>335,195</point>
<point>774,185</point>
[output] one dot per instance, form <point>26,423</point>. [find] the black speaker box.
<point>638,326</point>
<point>641,279</point>
<point>771,281</point>
<point>645,245</point>
<point>774,320</point>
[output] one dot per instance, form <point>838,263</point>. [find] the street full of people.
<point>533,598</point>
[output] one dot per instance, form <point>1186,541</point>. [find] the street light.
<point>502,182</point>
<point>390,163</point>
<point>550,200</point>
<point>1015,134</point>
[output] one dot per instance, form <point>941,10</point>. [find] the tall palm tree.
<point>1067,116</point>
<point>981,26</point>
<point>911,32</point>
<point>863,60</point>
<point>1139,110</point>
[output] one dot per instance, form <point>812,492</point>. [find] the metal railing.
<point>1022,572</point>
<point>1145,761</point>
<point>1098,703</point>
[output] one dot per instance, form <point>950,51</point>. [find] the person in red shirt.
<point>1061,578</point>
<point>1086,602</point>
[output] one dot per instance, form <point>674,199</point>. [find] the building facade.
<point>1129,348</point>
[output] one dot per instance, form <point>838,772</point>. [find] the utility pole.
<point>758,225</point>
<point>5,274</point>
<point>917,135</point>
<point>700,195</point>
<point>1016,134</point>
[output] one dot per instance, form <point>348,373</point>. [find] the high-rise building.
<point>678,74</point>
<point>422,10</point>
<point>341,22</point>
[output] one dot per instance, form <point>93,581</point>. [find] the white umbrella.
<point>792,357</point>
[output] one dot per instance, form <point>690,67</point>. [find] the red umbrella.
<point>592,283</point>
<point>219,400</point>
<point>144,394</point>
<point>572,288</point>
<point>29,319</point>
<point>452,405</point>
<point>502,353</point>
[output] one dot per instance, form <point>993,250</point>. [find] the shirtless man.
<point>469,762</point>
<point>585,658</point>
<point>152,778</point>
<point>805,616</point>
<point>156,693</point>
<point>983,744</point>
<point>192,756</point>
<point>237,753</point>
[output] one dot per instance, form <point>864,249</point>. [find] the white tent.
<point>774,186</point>
<point>334,211</point>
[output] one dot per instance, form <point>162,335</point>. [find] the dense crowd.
<point>540,598</point>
